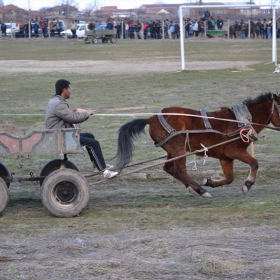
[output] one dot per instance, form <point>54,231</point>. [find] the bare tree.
<point>45,10</point>
<point>2,3</point>
<point>66,6</point>
<point>93,6</point>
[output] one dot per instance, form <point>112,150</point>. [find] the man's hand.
<point>78,110</point>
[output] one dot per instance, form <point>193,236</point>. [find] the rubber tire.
<point>55,164</point>
<point>86,40</point>
<point>94,40</point>
<point>4,172</point>
<point>113,40</point>
<point>4,195</point>
<point>104,40</point>
<point>65,193</point>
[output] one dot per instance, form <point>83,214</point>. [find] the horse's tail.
<point>127,133</point>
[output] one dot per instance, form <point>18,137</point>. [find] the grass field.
<point>140,228</point>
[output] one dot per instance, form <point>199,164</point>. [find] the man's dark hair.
<point>60,85</point>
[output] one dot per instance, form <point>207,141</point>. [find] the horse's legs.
<point>242,155</point>
<point>178,170</point>
<point>254,166</point>
<point>227,167</point>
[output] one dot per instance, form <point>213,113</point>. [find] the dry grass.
<point>148,228</point>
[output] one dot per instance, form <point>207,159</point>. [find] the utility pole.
<point>28,5</point>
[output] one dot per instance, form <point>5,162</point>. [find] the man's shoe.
<point>107,174</point>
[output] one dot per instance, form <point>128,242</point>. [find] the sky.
<point>121,4</point>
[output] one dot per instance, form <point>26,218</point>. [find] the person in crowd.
<point>157,29</point>
<point>26,28</point>
<point>171,29</point>
<point>177,30</point>
<point>258,26</point>
<point>269,29</point>
<point>202,27</point>
<point>52,28</point>
<point>220,23</point>
<point>73,29</point>
<point>151,28</point>
<point>58,26</point>
<point>119,29</point>
<point>195,27</point>
<point>110,23</point>
<point>36,27</point>
<point>278,28</point>
<point>44,26</point>
<point>138,29</point>
<point>264,29</point>
<point>188,28</point>
<point>59,115</point>
<point>3,29</point>
<point>244,29</point>
<point>252,28</point>
<point>131,30</point>
<point>91,25</point>
<point>145,29</point>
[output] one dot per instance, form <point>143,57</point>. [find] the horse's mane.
<point>261,97</point>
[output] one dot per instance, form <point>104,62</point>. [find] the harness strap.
<point>164,123</point>
<point>186,132</point>
<point>205,119</point>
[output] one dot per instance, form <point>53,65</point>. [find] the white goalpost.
<point>182,27</point>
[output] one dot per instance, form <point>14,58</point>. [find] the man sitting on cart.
<point>59,115</point>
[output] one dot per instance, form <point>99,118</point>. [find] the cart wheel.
<point>86,40</point>
<point>4,172</point>
<point>55,164</point>
<point>65,193</point>
<point>113,40</point>
<point>104,40</point>
<point>94,40</point>
<point>4,195</point>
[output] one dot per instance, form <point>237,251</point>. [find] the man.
<point>91,25</point>
<point>58,27</point>
<point>59,115</point>
<point>220,23</point>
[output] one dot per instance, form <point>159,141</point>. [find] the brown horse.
<point>179,130</point>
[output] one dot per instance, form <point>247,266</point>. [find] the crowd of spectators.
<point>130,29</point>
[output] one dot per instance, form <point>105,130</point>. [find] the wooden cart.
<point>104,35</point>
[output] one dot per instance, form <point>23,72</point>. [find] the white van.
<point>80,32</point>
<point>11,26</point>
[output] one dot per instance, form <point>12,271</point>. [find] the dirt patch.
<point>114,67</point>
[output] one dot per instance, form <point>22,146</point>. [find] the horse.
<point>179,130</point>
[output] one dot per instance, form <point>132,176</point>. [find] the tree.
<point>66,6</point>
<point>93,6</point>
<point>2,3</point>
<point>45,10</point>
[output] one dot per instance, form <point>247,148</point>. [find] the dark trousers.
<point>94,150</point>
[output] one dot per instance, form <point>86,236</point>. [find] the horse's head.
<point>275,111</point>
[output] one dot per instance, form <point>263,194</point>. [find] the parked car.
<point>11,26</point>
<point>80,31</point>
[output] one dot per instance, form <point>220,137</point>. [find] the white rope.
<point>139,114</point>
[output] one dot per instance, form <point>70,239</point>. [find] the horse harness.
<point>242,115</point>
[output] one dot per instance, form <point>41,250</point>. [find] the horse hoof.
<point>204,182</point>
<point>206,195</point>
<point>192,191</point>
<point>245,189</point>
